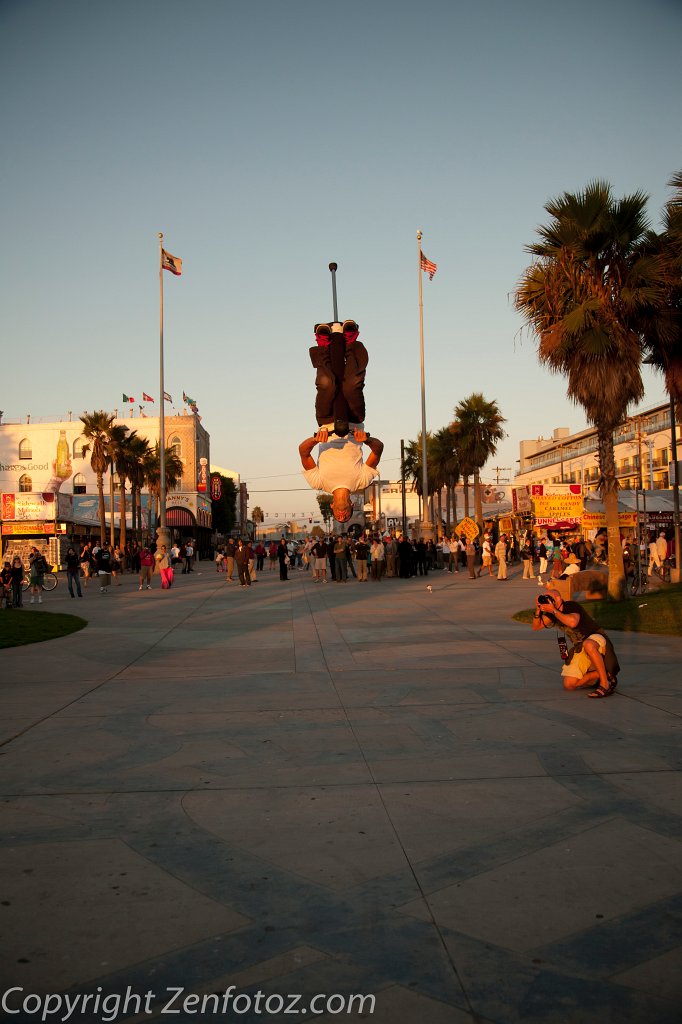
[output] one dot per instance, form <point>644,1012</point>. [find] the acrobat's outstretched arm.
<point>305,448</point>
<point>375,446</point>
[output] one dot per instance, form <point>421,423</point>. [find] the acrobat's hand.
<point>322,436</point>
<point>360,436</point>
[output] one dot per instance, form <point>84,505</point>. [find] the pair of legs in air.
<point>341,363</point>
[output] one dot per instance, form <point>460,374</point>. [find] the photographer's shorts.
<point>580,663</point>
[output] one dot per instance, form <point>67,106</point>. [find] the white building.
<point>49,489</point>
<point>642,449</point>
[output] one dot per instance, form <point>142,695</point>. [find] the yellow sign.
<point>597,520</point>
<point>560,507</point>
<point>506,524</point>
<point>468,527</point>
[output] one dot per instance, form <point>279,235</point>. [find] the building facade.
<point>642,449</point>
<point>49,489</point>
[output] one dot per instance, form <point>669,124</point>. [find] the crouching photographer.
<point>591,661</point>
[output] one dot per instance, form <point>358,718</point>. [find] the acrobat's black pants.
<point>340,380</point>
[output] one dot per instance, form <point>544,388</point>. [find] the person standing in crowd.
<point>542,554</point>
<point>318,553</point>
<point>6,585</point>
<point>350,556</point>
<point>421,557</point>
<point>260,556</point>
<point>103,557</point>
<point>283,558</point>
<point>378,556</point>
<point>84,560</point>
<point>340,571</point>
<point>527,559</point>
<point>241,557</point>
<point>501,556</point>
<point>487,556</point>
<point>117,565</point>
<point>189,555</point>
<point>228,563</point>
<point>146,566</point>
<point>253,573</point>
<point>17,582</point>
<point>361,556</point>
<point>36,562</point>
<point>164,566</point>
<point>73,571</point>
<point>470,554</point>
<point>218,558</point>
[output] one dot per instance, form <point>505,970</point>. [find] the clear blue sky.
<point>267,139</point>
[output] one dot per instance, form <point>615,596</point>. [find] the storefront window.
<point>25,484</point>
<point>25,449</point>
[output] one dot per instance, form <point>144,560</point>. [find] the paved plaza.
<point>339,789</point>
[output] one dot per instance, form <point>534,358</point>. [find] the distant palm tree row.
<point>115,448</point>
<point>457,451</point>
<point>604,292</point>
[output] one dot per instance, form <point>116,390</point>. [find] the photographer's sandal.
<point>600,692</point>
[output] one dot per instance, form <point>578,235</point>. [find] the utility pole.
<point>501,469</point>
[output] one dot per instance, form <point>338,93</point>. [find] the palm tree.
<point>412,465</point>
<point>446,467</point>
<point>662,329</point>
<point>96,427</point>
<point>584,297</point>
<point>173,472</point>
<point>117,436</point>
<point>138,453</point>
<point>479,428</point>
<point>258,516</point>
<point>125,459</point>
<point>325,503</point>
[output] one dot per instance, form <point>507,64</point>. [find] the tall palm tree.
<point>125,460</point>
<point>446,465</point>
<point>96,427</point>
<point>584,297</point>
<point>479,428</point>
<point>138,451</point>
<point>662,329</point>
<point>173,472</point>
<point>412,466</point>
<point>117,436</point>
<point>465,467</point>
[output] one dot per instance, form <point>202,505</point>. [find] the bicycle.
<point>49,583</point>
<point>640,582</point>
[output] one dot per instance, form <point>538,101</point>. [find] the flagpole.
<point>161,526</point>
<point>426,524</point>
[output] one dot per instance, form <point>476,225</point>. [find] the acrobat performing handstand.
<point>341,361</point>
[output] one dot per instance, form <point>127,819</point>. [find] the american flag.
<point>428,267</point>
<point>172,263</point>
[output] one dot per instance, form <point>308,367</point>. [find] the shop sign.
<point>521,501</point>
<point>553,509</point>
<point>468,527</point>
<point>597,520</point>
<point>216,487</point>
<point>25,529</point>
<point>506,524</point>
<point>26,506</point>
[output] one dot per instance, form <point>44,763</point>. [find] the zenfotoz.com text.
<point>173,1000</point>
